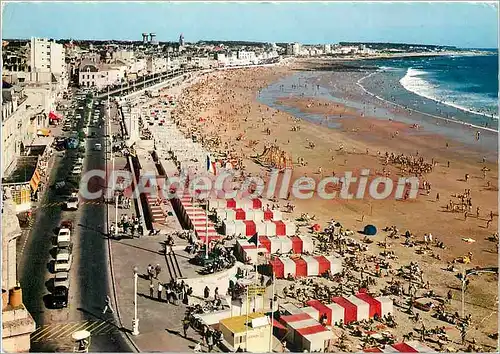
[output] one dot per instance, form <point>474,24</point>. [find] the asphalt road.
<point>89,275</point>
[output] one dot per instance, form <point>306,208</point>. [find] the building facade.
<point>17,323</point>
<point>47,56</point>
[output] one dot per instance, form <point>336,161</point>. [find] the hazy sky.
<point>459,24</point>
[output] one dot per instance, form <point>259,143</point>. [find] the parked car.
<point>63,238</point>
<point>60,297</point>
<point>72,203</point>
<point>98,147</point>
<point>77,170</point>
<point>61,279</point>
<point>63,260</point>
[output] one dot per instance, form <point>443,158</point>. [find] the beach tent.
<point>250,228</point>
<point>374,305</point>
<point>311,311</point>
<point>323,310</point>
<point>296,244</point>
<point>370,230</point>
<point>270,228</point>
<point>265,242</point>
<point>337,312</point>
<point>335,264</point>
<point>280,228</point>
<point>362,308</point>
<point>300,267</point>
<point>312,266</point>
<point>291,309</point>
<point>350,310</point>
<point>278,267</point>
<point>307,244</point>
<point>315,338</point>
<point>288,266</point>
<point>290,228</point>
<point>286,245</point>
<point>386,305</point>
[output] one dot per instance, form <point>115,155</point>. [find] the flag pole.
<point>248,309</point>
<point>272,316</point>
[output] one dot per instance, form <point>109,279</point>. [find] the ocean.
<point>464,88</point>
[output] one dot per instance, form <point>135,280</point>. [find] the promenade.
<point>160,323</point>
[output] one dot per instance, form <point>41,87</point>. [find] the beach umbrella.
<point>370,230</point>
<point>316,227</point>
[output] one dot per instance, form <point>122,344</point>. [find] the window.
<point>48,66</point>
<point>92,76</point>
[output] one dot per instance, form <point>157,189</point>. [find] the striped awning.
<point>35,181</point>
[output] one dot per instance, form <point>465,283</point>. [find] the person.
<point>206,292</point>
<point>185,326</point>
<point>151,289</point>
<point>107,305</point>
<point>160,289</point>
<point>239,350</point>
<point>210,341</point>
<point>216,293</point>
<point>157,270</point>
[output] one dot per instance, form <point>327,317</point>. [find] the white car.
<point>73,202</point>
<point>63,237</point>
<point>63,260</point>
<point>97,147</point>
<point>77,170</point>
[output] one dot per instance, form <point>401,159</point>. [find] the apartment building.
<point>47,56</point>
<point>100,75</point>
<point>24,112</point>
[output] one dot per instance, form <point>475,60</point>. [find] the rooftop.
<point>238,324</point>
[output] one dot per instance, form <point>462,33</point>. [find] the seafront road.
<point>89,282</point>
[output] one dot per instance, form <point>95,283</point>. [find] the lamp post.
<point>135,321</point>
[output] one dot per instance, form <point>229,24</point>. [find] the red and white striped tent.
<point>406,347</point>
<point>300,267</point>
<point>299,244</point>
<point>248,252</point>
<point>245,203</point>
<point>305,332</point>
<point>314,338</point>
<point>334,313</point>
<point>380,306</point>
<point>294,322</point>
<point>266,228</point>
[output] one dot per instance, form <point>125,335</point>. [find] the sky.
<point>467,25</point>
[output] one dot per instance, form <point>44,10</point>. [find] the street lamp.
<point>135,321</point>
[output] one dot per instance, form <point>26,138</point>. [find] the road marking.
<point>65,330</point>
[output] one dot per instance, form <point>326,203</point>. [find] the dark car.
<point>60,297</point>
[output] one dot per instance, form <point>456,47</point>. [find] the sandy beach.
<point>337,137</point>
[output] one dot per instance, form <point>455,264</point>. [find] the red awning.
<point>54,116</point>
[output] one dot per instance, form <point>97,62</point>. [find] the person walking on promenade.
<point>107,305</point>
<point>157,270</point>
<point>160,289</point>
<point>206,292</point>
<point>185,326</point>
<point>151,290</point>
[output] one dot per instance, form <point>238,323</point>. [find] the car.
<point>61,279</point>
<point>73,202</point>
<point>66,224</point>
<point>97,147</point>
<point>77,170</point>
<point>60,297</point>
<point>63,260</point>
<point>79,161</point>
<point>63,237</point>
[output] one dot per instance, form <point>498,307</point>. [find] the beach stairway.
<point>155,210</point>
<point>195,217</point>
